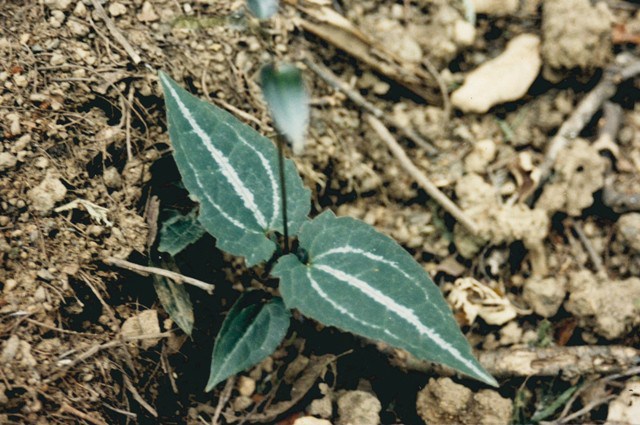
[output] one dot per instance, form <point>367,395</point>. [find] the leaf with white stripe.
<point>232,171</point>
<point>179,231</point>
<point>251,331</point>
<point>362,281</point>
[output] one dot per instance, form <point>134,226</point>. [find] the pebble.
<point>496,7</point>
<point>7,161</point>
<point>117,9</point>
<point>246,386</point>
<point>148,13</point>
<point>144,323</point>
<point>44,196</point>
<point>358,407</point>
<point>502,79</point>
<point>464,33</point>
<point>310,420</point>
<point>627,230</point>
<point>80,10</point>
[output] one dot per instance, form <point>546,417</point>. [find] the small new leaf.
<point>174,298</point>
<point>251,331</point>
<point>178,232</point>
<point>231,170</point>
<point>363,282</point>
<point>263,9</point>
<point>288,102</point>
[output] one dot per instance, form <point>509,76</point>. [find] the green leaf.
<point>363,282</point>
<point>175,299</point>
<point>178,232</point>
<point>251,332</point>
<point>233,172</point>
<point>288,102</point>
<point>263,9</point>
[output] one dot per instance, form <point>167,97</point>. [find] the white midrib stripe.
<point>405,313</point>
<point>227,170</point>
<point>275,190</point>
<point>347,249</point>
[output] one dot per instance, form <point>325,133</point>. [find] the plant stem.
<point>283,192</point>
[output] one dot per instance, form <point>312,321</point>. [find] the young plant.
<point>344,273</point>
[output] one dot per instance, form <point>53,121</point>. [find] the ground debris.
<point>443,401</point>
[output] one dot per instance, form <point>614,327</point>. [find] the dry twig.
<point>222,401</point>
<point>115,32</point>
<point>137,397</point>
<point>583,113</point>
<point>593,255</point>
<point>334,81</point>
<point>420,178</point>
<point>146,271</point>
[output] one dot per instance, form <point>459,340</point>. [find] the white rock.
<point>246,386</point>
<point>310,420</point>
<point>117,9</point>
<point>358,407</point>
<point>496,7</point>
<point>80,10</point>
<point>7,160</point>
<point>77,28</point>
<point>502,79</point>
<point>484,151</point>
<point>143,324</point>
<point>44,196</point>
<point>148,13</point>
<point>464,33</point>
<point>625,409</point>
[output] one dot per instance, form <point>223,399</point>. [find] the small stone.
<point>502,79</point>
<point>117,9</point>
<point>464,33</point>
<point>310,420</point>
<point>56,19</point>
<point>496,7</point>
<point>242,403</point>
<point>41,162</point>
<point>627,229</point>
<point>625,409</point>
<point>44,196</point>
<point>80,10</point>
<point>358,407</point>
<point>40,295</point>
<point>545,296</point>
<point>77,28</point>
<point>45,274</point>
<point>10,285</point>
<point>144,323</point>
<point>484,151</point>
<point>7,161</point>
<point>246,386</point>
<point>21,80</point>
<point>148,13</point>
<point>57,59</point>
<point>112,178</point>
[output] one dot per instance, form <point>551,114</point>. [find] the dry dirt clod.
<point>310,420</point>
<point>322,407</point>
<point>628,230</point>
<point>502,79</point>
<point>579,173</point>
<point>143,324</point>
<point>625,409</point>
<point>611,307</point>
<point>44,196</point>
<point>246,386</point>
<point>358,408</point>
<point>7,160</point>
<point>148,13</point>
<point>443,401</point>
<point>545,296</point>
<point>576,35</point>
<point>496,7</point>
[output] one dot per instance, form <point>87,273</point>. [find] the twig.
<point>137,397</point>
<point>446,102</point>
<point>115,32</point>
<point>420,178</point>
<point>550,361</point>
<point>65,408</point>
<point>146,271</point>
<point>591,103</point>
<point>593,255</point>
<point>334,81</point>
<point>586,409</point>
<point>222,401</point>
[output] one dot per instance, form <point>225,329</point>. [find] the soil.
<point>84,150</point>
